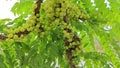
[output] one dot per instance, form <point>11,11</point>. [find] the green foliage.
<point>22,7</point>
<point>50,34</point>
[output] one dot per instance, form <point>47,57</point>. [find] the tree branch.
<point>3,36</point>
<point>67,43</point>
<point>38,7</point>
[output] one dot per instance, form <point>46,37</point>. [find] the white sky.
<point>5,6</point>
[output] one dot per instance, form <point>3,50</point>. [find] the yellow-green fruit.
<point>21,36</point>
<point>16,30</point>
<point>7,40</point>
<point>50,16</point>
<point>42,34</point>
<point>50,10</point>
<point>10,35</point>
<point>74,53</point>
<point>62,14</point>
<point>32,20</point>
<point>70,39</point>
<point>38,25</point>
<point>22,29</point>
<point>32,13</point>
<point>37,15</point>
<point>56,22</point>
<point>15,37</point>
<point>78,43</point>
<point>57,14</point>
<point>34,6</point>
<point>34,17</point>
<point>30,29</point>
<point>74,43</point>
<point>58,9</point>
<point>11,40</point>
<point>67,35</point>
<point>38,20</point>
<point>36,29</point>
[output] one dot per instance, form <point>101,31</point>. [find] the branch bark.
<point>38,7</point>
<point>3,36</point>
<point>67,43</point>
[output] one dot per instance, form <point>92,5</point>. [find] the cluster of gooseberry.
<point>60,13</point>
<point>32,24</point>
